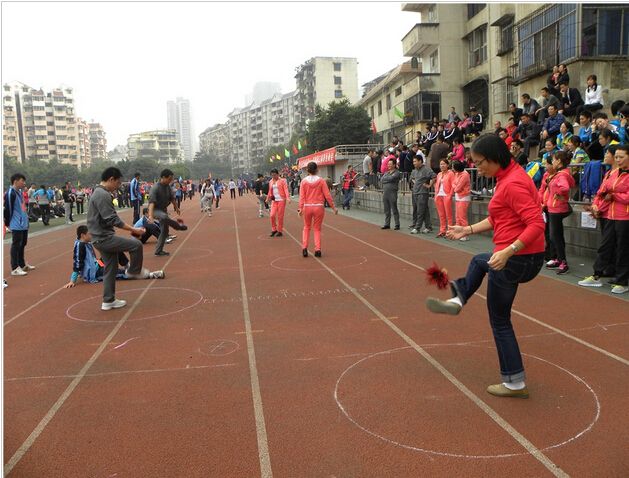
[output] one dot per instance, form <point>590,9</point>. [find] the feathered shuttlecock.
<point>437,275</point>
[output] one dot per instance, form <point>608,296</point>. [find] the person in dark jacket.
<point>390,185</point>
<point>530,105</point>
<point>552,123</point>
<point>477,120</point>
<point>516,113</point>
<point>570,99</point>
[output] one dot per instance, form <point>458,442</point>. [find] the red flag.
<point>295,151</point>
<point>373,127</point>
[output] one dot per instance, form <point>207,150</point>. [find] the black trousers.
<point>615,240</point>
<point>555,229</point>
<point>18,244</point>
<point>45,213</point>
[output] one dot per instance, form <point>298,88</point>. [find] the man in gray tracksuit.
<point>101,220</point>
<point>422,179</point>
<point>390,185</point>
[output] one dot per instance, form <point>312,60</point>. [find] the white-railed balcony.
<point>419,38</point>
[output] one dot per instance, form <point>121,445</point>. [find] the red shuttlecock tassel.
<point>437,275</point>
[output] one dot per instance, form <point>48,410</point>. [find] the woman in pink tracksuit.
<point>462,189</point>
<point>312,194</point>
<point>278,193</point>
<point>443,197</point>
<point>558,208</point>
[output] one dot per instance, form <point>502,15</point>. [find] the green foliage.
<point>339,123</point>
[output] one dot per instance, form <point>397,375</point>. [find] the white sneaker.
<point>116,304</point>
<point>4,284</point>
<point>465,238</point>
<point>168,240</point>
<point>414,231</point>
<point>157,275</point>
<point>18,272</point>
<point>143,274</point>
<point>590,282</point>
<point>28,267</point>
<point>426,231</point>
<point>619,289</point>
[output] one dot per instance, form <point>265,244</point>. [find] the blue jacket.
<point>15,217</point>
<point>84,262</point>
<point>535,170</point>
<point>552,124</point>
<point>134,189</point>
<point>585,134</point>
<point>592,178</point>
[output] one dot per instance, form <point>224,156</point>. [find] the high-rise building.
<point>178,116</point>
<point>40,125</point>
<point>215,141</point>
<point>83,130</point>
<point>322,80</point>
<point>98,143</point>
<point>263,90</point>
<point>159,145</point>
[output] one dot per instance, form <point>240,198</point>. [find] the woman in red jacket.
<point>515,216</point>
<point>278,193</point>
<point>462,196</point>
<point>550,254</point>
<point>613,199</point>
<point>443,196</point>
<point>558,208</point>
<point>312,194</point>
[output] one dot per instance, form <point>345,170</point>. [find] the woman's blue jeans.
<point>501,289</point>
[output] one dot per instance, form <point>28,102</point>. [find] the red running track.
<point>328,367</point>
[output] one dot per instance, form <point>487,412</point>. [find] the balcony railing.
<point>420,37</point>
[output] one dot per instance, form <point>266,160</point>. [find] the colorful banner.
<point>326,157</point>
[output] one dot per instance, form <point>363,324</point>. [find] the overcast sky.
<point>125,60</point>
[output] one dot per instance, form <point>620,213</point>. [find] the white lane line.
<point>32,306</point>
<point>120,372</point>
<point>263,445</point>
<point>517,436</point>
<point>24,447</point>
<point>521,314</point>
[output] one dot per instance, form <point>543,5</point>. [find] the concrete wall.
<point>579,241</point>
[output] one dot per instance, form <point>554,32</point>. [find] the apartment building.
<point>215,140</point>
<point>98,142</point>
<point>178,118</point>
<point>322,80</point>
<point>487,55</point>
<point>158,145</point>
<point>10,128</point>
<point>386,100</point>
<point>83,133</point>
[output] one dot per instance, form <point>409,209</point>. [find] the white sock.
<point>514,385</point>
<point>456,300</point>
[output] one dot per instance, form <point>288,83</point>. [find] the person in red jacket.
<point>278,194</point>
<point>613,198</point>
<point>443,196</point>
<point>515,216</point>
<point>557,208</point>
<point>312,194</point>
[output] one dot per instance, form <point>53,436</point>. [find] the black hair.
<point>493,149</point>
<point>80,230</point>
<point>513,104</point>
<point>576,140</point>
<point>613,148</point>
<point>392,160</point>
<point>166,173</point>
<point>586,113</point>
<point>17,176</point>
<point>616,106</point>
<point>569,126</point>
<point>606,133</point>
<point>458,166</point>
<point>274,171</point>
<point>136,175</point>
<point>564,82</point>
<point>111,172</point>
<point>599,114</point>
<point>43,187</point>
<point>518,142</point>
<point>552,139</point>
<point>526,96</point>
<point>145,210</point>
<point>624,110</point>
<point>545,89</point>
<point>595,85</point>
<point>260,175</point>
<point>621,147</point>
<point>564,157</point>
<point>444,160</point>
<point>312,167</point>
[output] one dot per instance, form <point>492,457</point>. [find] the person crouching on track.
<point>278,194</point>
<point>515,216</point>
<point>101,220</point>
<point>312,193</point>
<point>152,229</point>
<point>85,265</point>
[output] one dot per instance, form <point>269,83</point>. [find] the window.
<point>388,98</point>
<point>547,38</point>
<point>503,93</point>
<point>372,112</point>
<point>506,38</point>
<point>424,106</point>
<point>478,46</point>
<point>605,31</point>
<point>473,9</point>
<point>338,94</point>
<point>337,80</point>
<point>434,62</point>
<point>398,91</point>
<point>379,107</point>
<point>337,66</point>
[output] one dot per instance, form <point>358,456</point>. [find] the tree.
<point>340,123</point>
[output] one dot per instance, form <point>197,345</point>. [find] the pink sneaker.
<point>563,268</point>
<point>552,264</point>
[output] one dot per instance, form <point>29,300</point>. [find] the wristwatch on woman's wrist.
<point>514,247</point>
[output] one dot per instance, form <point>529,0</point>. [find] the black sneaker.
<point>317,253</point>
<point>162,253</point>
<point>279,234</point>
<point>385,227</point>
<point>304,252</point>
<point>273,233</point>
<point>396,228</point>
